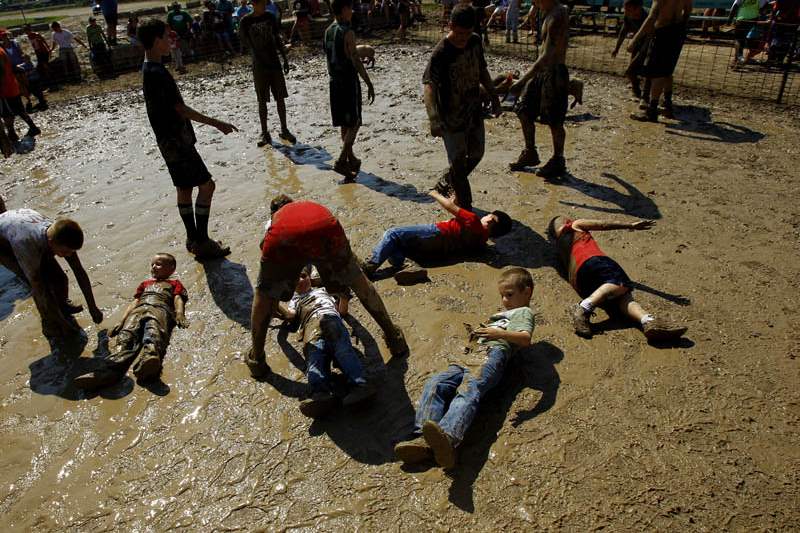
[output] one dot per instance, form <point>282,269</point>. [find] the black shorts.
<point>545,96</point>
<point>42,58</point>
<point>346,102</point>
<point>596,271</point>
<point>665,49</point>
<point>186,167</point>
<point>10,107</point>
<point>638,58</point>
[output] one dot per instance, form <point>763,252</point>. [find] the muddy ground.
<point>582,434</point>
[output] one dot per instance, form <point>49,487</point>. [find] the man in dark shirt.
<point>171,120</point>
<point>456,70</point>
<point>260,32</point>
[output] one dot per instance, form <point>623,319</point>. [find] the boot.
<point>528,158</point>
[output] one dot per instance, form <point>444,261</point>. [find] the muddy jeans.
<point>334,342</point>
<point>451,398</point>
<point>147,338</point>
<point>397,243</point>
<point>464,152</point>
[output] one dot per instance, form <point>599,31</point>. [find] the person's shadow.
<point>632,202</point>
<point>532,368</point>
<point>696,123</point>
<point>304,154</point>
<point>230,288</point>
<point>405,192</point>
<point>11,291</point>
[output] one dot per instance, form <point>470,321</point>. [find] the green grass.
<point>19,21</point>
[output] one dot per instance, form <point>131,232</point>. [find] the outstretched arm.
<point>583,224</point>
<point>85,285</point>
<point>190,114</point>
<point>128,310</point>
<point>448,204</point>
<point>180,314</point>
<point>623,32</point>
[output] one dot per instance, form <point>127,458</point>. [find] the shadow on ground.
<point>632,202</point>
<point>695,122</point>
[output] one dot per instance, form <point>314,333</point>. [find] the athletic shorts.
<point>346,102</point>
<point>269,80</point>
<point>545,96</point>
<point>596,271</point>
<point>186,167</point>
<point>10,107</point>
<point>665,49</point>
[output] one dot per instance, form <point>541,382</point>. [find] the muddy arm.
<point>583,224</point>
<point>446,203</point>
<point>131,306</point>
<point>352,54</point>
<point>180,312</point>
<point>260,316</point>
<point>86,286</point>
<point>517,338</point>
<point>195,116</point>
<point>430,96</point>
<point>648,27</point>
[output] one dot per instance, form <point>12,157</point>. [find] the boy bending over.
<point>325,338</point>
<point>145,328</point>
<point>598,279</point>
<point>464,233</point>
<point>450,400</point>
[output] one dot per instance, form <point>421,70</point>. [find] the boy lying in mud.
<point>325,338</point>
<point>145,328</point>
<point>467,232</point>
<point>450,399</point>
<point>599,280</point>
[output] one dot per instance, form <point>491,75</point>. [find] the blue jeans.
<point>333,343</point>
<point>451,398</point>
<point>397,243</point>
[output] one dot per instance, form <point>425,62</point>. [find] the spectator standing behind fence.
<point>180,22</point>
<point>66,51</point>
<point>635,15</point>
<point>133,26</point>
<point>42,51</point>
<point>746,30</point>
<point>175,52</point>
<point>109,10</point>
<point>98,47</point>
<point>512,21</point>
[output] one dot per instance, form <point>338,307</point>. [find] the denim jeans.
<point>397,243</point>
<point>451,398</point>
<point>464,152</point>
<point>333,343</point>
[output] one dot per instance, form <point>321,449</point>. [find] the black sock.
<point>668,99</point>
<point>187,215</point>
<point>201,213</point>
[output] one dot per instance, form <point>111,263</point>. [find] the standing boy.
<point>455,72</point>
<point>344,67</point>
<point>260,32</point>
<point>171,120</point>
<point>98,47</point>
<point>635,15</point>
<point>11,100</point>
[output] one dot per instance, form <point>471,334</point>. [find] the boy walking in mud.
<point>452,80</point>
<point>29,244</point>
<point>544,89</point>
<point>325,338</point>
<point>635,15</point>
<point>145,328</point>
<point>260,32</point>
<point>344,68</point>
<point>467,232</point>
<point>301,233</point>
<point>450,399</point>
<point>599,280</point>
<point>171,120</point>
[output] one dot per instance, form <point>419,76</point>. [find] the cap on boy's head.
<point>67,233</point>
<point>339,5</point>
<point>92,19</point>
<point>463,16</point>
<point>169,257</point>
<point>278,202</point>
<point>517,276</point>
<point>503,225</point>
<point>149,31</point>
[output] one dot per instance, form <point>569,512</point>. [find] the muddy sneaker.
<point>410,273</point>
<point>555,168</point>
<point>358,393</point>
<point>97,379</point>
<point>443,450</point>
<point>148,367</point>
<point>528,158</point>
<point>369,268</point>
<point>355,165</point>
<point>396,343</point>
<point>287,136</point>
<point>190,246</point>
<point>413,451</point>
<point>443,187</point>
<point>258,367</point>
<point>264,140</point>
<point>668,112</point>
<point>71,307</point>
<point>341,167</point>
<point>320,404</point>
<point>661,330</point>
<point>33,131</point>
<point>644,105</point>
<point>580,321</point>
<point>650,115</point>
<point>210,249</point>
<point>41,106</point>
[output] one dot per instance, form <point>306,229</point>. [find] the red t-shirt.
<point>177,287</point>
<point>465,228</point>
<point>302,230</point>
<point>584,246</point>
<point>9,88</point>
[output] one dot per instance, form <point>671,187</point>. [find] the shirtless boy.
<point>544,89</point>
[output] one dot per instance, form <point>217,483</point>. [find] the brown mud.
<point>605,433</point>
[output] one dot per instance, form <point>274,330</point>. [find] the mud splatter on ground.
<point>607,433</point>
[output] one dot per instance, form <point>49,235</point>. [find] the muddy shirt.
<point>310,307</point>
<point>161,95</point>
<point>455,75</point>
<point>519,319</point>
<point>25,230</point>
<point>173,287</point>
<point>261,35</point>
<point>575,248</point>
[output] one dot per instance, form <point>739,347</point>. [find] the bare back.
<point>555,34</point>
<point>669,12</point>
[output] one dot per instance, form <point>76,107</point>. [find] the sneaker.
<point>96,379</point>
<point>413,451</point>
<point>555,168</point>
<point>644,105</point>
<point>649,115</point>
<point>396,343</point>
<point>369,268</point>
<point>441,444</point>
<point>358,393</point>
<point>33,131</point>
<point>528,158</point>
<point>190,246</point>
<point>580,321</point>
<point>148,367</point>
<point>264,140</point>
<point>661,330</point>
<point>286,135</point>
<point>637,91</point>
<point>258,367</point>
<point>355,165</point>
<point>210,249</point>
<point>342,167</point>
<point>667,112</point>
<point>410,273</point>
<point>320,404</point>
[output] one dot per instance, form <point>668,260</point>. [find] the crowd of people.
<point>308,271</point>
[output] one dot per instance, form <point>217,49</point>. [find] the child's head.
<point>65,237</point>
<point>152,33</point>
<point>462,24</point>
<point>516,287</point>
<point>278,202</point>
<point>92,21</point>
<point>55,26</point>
<point>175,6</point>
<point>343,9</point>
<point>304,281</point>
<point>162,265</point>
<point>497,223</point>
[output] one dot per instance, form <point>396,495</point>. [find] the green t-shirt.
<point>180,21</point>
<point>519,319</point>
<point>94,35</point>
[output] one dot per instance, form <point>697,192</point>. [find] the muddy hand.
<point>643,224</point>
<point>224,127</point>
<point>182,322</point>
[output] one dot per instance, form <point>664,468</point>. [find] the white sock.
<point>647,318</point>
<point>587,305</point>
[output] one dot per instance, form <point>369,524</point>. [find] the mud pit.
<point>581,434</point>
